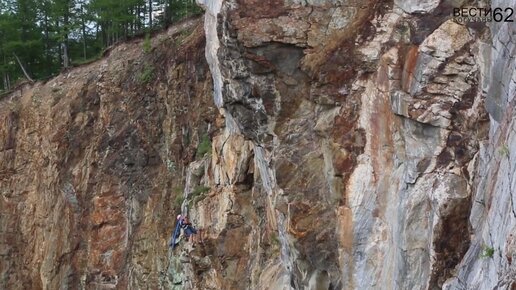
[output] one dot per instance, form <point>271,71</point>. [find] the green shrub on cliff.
<point>204,146</point>
<point>198,194</point>
<point>147,47</point>
<point>275,243</point>
<point>178,201</point>
<point>146,74</point>
<point>198,191</point>
<point>487,252</point>
<point>504,150</point>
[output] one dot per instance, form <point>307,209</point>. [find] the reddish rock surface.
<point>92,161</point>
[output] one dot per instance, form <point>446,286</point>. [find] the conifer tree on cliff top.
<point>38,38</point>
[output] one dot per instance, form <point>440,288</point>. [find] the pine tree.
<point>39,37</point>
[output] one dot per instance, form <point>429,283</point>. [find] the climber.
<point>188,229</point>
<point>190,232</point>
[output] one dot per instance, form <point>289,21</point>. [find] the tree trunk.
<point>168,14</point>
<point>59,51</point>
<point>47,43</point>
<point>83,33</point>
<point>66,59</point>
<point>7,85</point>
<point>23,68</point>
<point>138,13</point>
<point>150,14</point>
<point>104,34</point>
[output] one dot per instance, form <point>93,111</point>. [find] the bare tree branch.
<point>23,69</point>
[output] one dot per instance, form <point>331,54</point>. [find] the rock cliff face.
<point>354,145</point>
<point>91,163</point>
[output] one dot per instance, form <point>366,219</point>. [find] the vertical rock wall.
<point>489,262</point>
<point>371,141</point>
<point>92,163</point>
